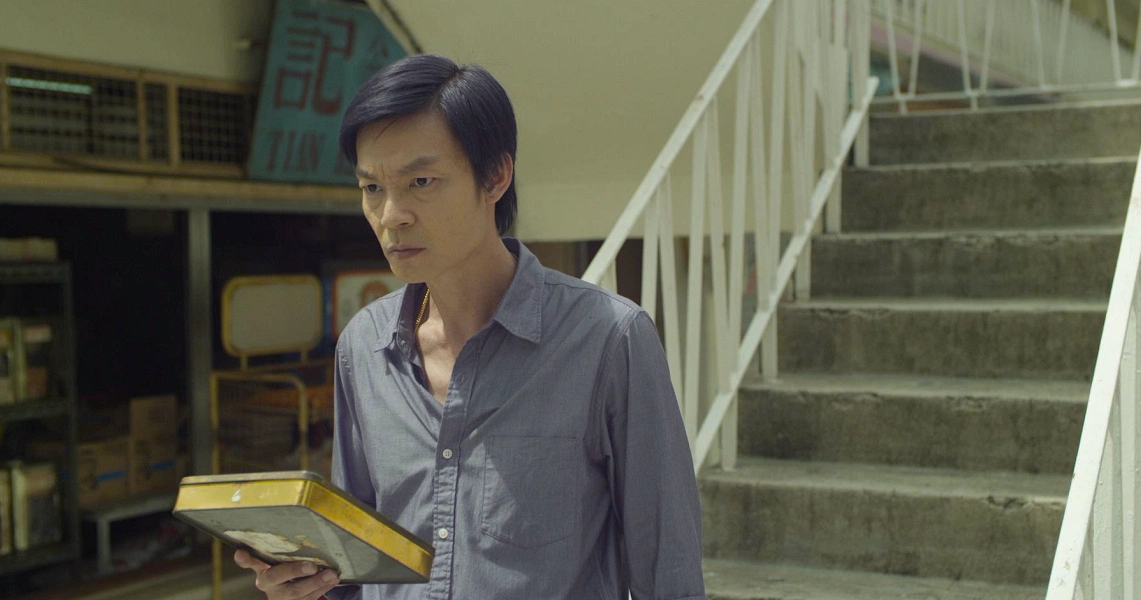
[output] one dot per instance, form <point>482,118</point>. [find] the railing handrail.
<point>1053,52</point>
<point>684,129</point>
<point>1088,464</point>
<point>788,264</point>
<point>825,61</point>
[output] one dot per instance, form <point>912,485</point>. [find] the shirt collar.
<point>520,311</point>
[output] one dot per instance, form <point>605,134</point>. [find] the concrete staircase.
<point>920,440</point>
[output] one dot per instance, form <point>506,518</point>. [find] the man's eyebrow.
<point>418,163</point>
<point>363,174</point>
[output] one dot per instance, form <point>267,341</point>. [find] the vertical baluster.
<point>916,46</point>
<point>893,57</point>
<point>1064,29</point>
<point>1114,44</point>
<point>984,79</point>
<point>1106,528</point>
<point>1129,468</point>
<point>861,58</point>
<point>835,103</point>
<point>1088,568</point>
<point>740,181</point>
<point>1116,517</point>
<point>717,251</point>
<point>695,275</point>
<point>762,257</point>
<point>669,287</point>
<point>1137,50</point>
<point>1038,42</point>
<point>777,124</point>
<point>746,70</point>
<point>650,256</point>
<point>804,170</point>
<point>964,55</point>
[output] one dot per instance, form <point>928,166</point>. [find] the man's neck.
<point>460,305</point>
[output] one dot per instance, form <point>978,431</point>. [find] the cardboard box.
<point>102,471</point>
<point>103,422</point>
<point>102,468</point>
<point>153,466</point>
<point>154,418</point>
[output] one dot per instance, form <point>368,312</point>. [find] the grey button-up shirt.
<point>557,469</point>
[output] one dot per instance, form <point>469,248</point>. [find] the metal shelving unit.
<point>61,404</point>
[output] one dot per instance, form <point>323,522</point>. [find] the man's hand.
<point>288,581</point>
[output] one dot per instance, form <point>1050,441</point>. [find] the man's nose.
<point>394,216</point>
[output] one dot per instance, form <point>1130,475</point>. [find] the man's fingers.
<point>247,561</point>
<point>315,586</point>
<point>284,573</point>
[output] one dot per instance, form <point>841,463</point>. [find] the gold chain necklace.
<point>423,307</point>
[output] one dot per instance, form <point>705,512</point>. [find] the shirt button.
<point>447,454</point>
<point>443,533</point>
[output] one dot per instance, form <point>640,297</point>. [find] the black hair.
<point>473,103</point>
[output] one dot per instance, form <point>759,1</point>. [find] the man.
<point>520,419</point>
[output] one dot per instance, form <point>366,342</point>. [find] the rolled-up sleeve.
<point>651,469</point>
<point>350,470</point>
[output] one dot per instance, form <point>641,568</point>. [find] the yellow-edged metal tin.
<point>297,515</point>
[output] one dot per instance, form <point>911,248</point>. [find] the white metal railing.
<point>1097,555</point>
<point>796,62</point>
<point>1037,47</point>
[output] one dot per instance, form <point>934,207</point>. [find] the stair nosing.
<point>1024,108</point>
<point>867,384</point>
<point>907,480</point>
<point>967,234</point>
<point>951,304</point>
<point>994,165</point>
<point>831,580</point>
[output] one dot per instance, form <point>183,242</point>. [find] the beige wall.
<point>189,37</point>
<point>597,85</point>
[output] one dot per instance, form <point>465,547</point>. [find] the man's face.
<point>420,196</point>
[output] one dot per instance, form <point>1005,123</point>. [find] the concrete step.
<point>1019,339</point>
<point>1074,263</point>
<point>970,424</point>
<point>993,527</point>
<point>1020,195</point>
<point>737,580</point>
<point>1047,131</point>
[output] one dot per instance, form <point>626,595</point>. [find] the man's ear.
<point>501,178</point>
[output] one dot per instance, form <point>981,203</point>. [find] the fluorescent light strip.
<point>50,86</point>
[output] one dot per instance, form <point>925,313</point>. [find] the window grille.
<point>71,112</point>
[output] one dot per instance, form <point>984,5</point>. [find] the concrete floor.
<point>180,579</point>
<point>188,584</point>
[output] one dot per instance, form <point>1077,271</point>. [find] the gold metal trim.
<point>199,493</point>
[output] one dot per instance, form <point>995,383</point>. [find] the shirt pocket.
<point>531,489</point>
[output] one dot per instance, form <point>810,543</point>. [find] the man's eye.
<point>422,181</point>
<point>371,188</point>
